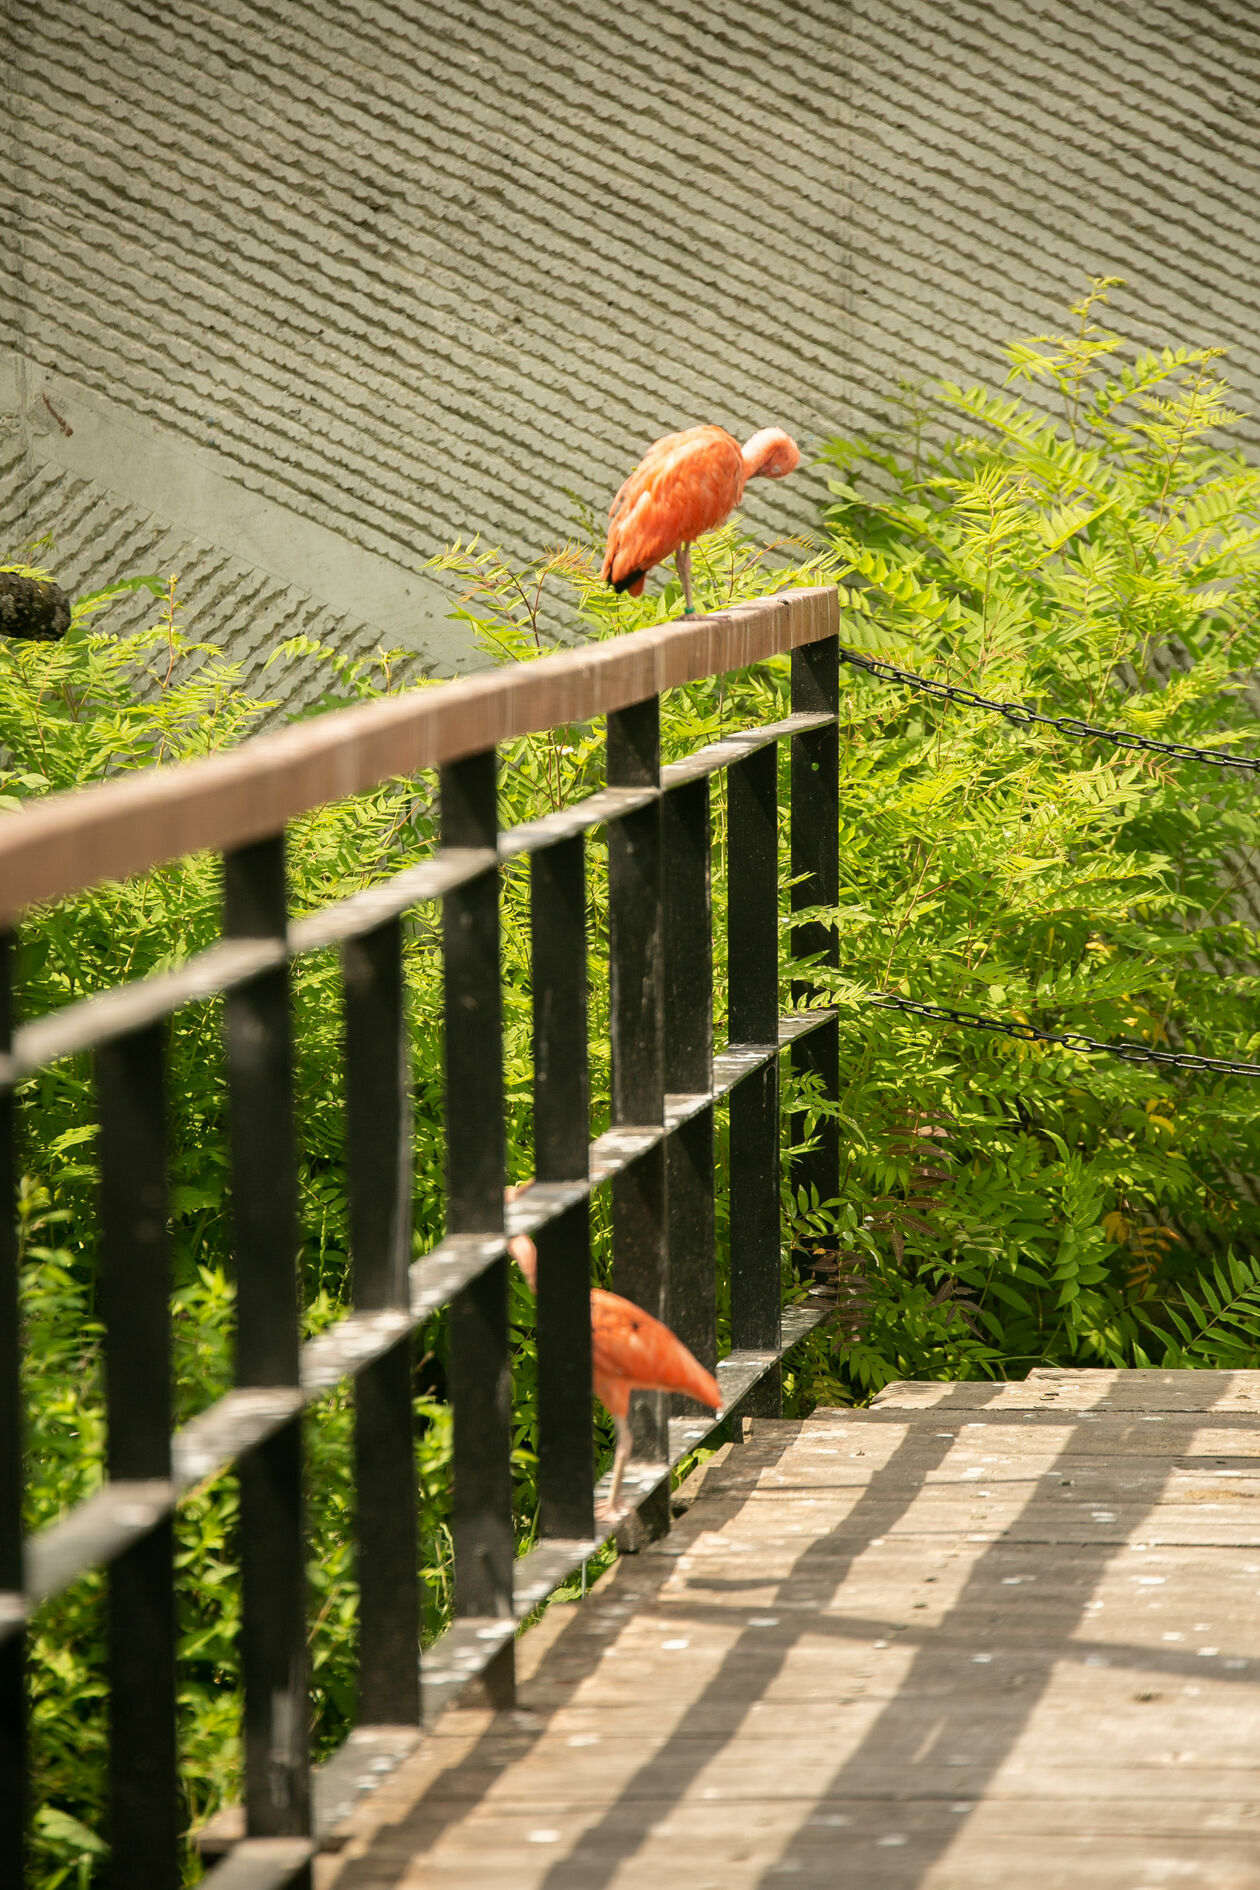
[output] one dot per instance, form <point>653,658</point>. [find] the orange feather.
<point>630,1351</point>
<point>686,484</point>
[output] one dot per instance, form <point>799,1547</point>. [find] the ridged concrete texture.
<point>98,538</point>
<point>416,269</point>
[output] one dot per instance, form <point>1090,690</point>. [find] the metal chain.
<point>1021,715</point>
<point>1070,1039</point>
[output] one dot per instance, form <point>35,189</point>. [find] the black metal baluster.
<point>378,1150</point>
<point>637,1032</point>
<point>134,1290</point>
<point>12,1426</point>
<point>265,1218</point>
<point>687,892</point>
<point>561,1146</point>
<point>480,1362</point>
<point>815,789</point>
<point>752,895</point>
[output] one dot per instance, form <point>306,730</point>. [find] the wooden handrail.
<point>115,828</point>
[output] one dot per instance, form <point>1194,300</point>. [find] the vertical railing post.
<point>265,1222</point>
<point>12,1570</point>
<point>637,1032</point>
<point>480,1361</point>
<point>752,880</point>
<point>562,1153</point>
<point>815,790</point>
<point>686,839</point>
<point>134,1299</point>
<point>378,1163</point>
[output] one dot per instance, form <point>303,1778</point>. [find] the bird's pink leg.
<point>682,558</point>
<point>621,1457</point>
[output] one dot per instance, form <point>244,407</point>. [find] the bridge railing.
<point>656,1157</point>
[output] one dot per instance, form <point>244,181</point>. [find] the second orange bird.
<point>630,1351</point>
<point>685,485</point>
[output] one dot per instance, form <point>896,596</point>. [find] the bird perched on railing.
<point>630,1351</point>
<point>686,484</point>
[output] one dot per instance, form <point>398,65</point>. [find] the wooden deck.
<point>975,1638</point>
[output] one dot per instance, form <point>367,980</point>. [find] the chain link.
<point>1019,714</point>
<point>1070,1039</point>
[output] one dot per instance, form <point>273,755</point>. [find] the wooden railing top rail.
<point>69,841</point>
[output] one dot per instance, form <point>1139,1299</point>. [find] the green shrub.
<point>1061,1212</point>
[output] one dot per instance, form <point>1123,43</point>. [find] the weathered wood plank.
<point>1102,1390</point>
<point>843,1842</point>
<point>1020,1648</point>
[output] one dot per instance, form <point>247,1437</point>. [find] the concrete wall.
<point>313,287</point>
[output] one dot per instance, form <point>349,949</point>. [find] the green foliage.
<point>1022,873</point>
<point>1002,1204</point>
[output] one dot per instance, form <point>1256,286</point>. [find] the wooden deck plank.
<point>893,1649</point>
<point>1104,1390</point>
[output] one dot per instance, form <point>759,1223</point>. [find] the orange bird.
<point>686,484</point>
<point>630,1351</point>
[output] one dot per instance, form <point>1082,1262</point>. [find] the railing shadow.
<point>940,1768</point>
<point>577,1650</point>
<point>749,1669</point>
